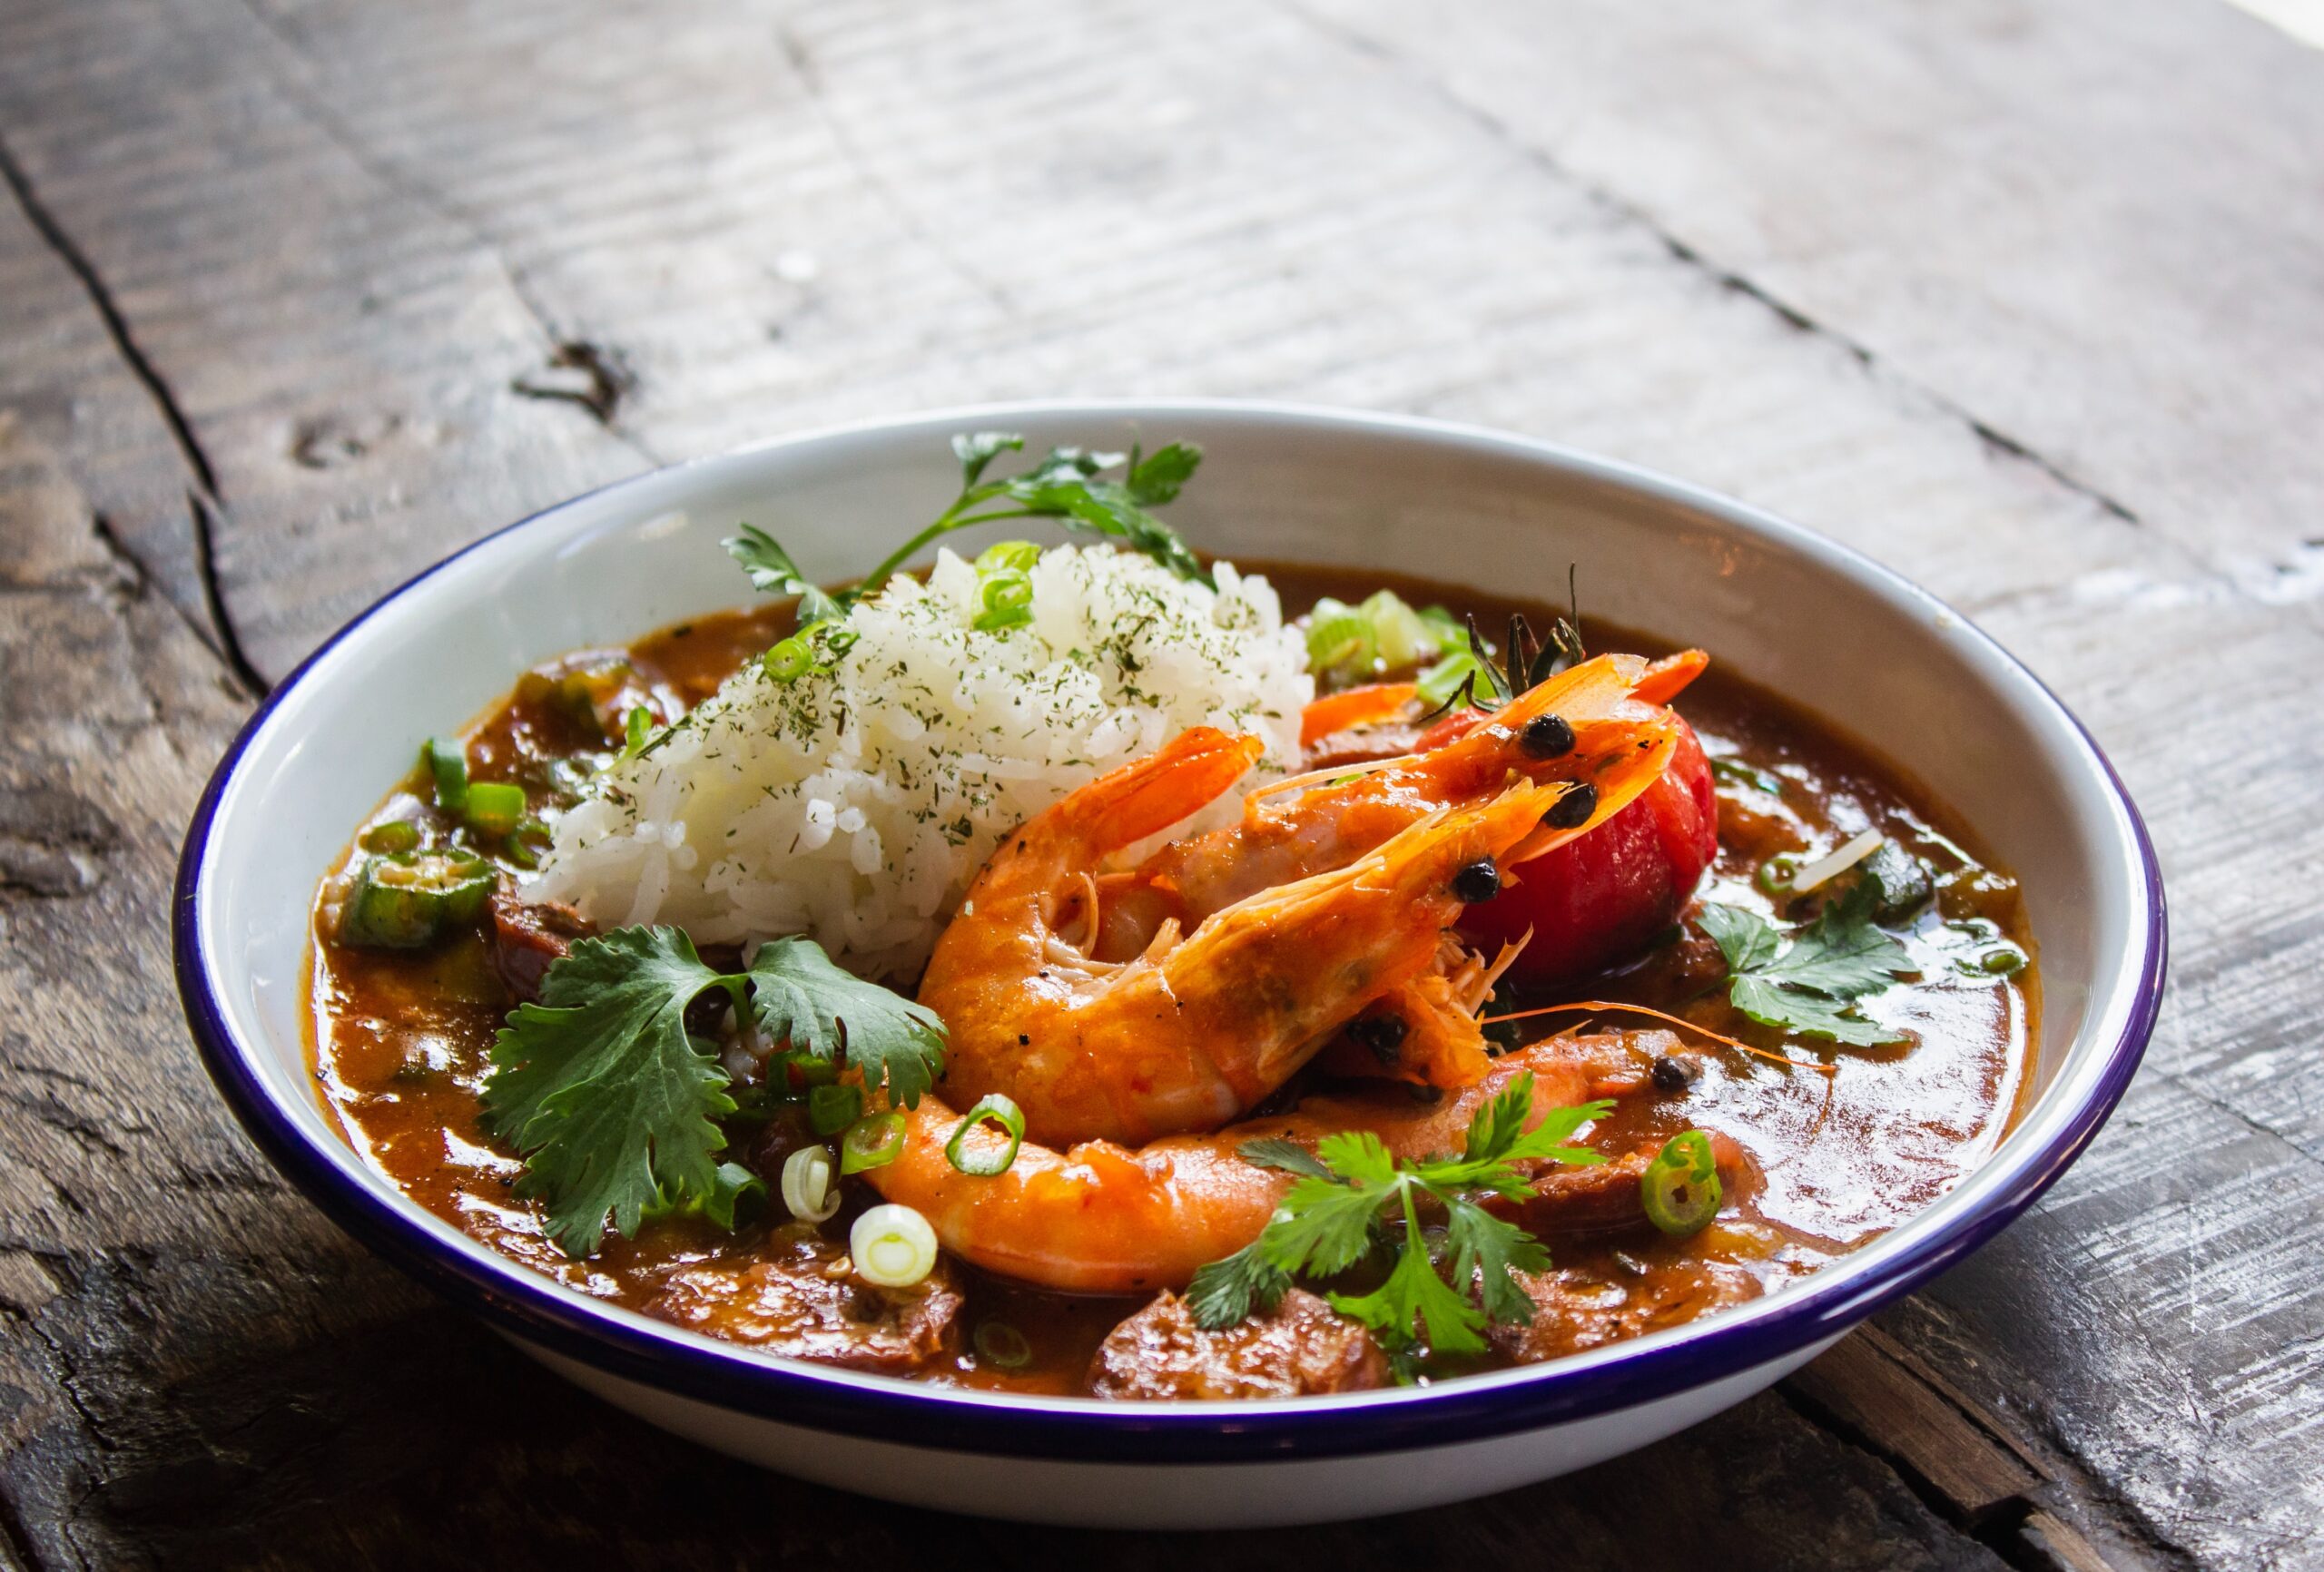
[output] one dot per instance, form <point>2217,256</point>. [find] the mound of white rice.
<point>855,803</point>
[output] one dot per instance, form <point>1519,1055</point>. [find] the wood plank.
<point>2069,221</point>
<point>1876,1389</point>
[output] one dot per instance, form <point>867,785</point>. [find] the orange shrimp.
<point>1100,1218</point>
<point>1186,1035</point>
<point>1265,939</point>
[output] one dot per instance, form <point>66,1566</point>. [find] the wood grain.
<point>295,294</point>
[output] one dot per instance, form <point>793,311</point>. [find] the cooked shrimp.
<point>1100,1218</point>
<point>1321,902</point>
<point>1619,746</point>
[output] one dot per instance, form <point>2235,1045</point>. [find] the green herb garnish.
<point>1345,1210</point>
<point>615,1107</point>
<point>1809,984</point>
<point>1070,486</point>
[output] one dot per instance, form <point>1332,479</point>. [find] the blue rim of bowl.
<point>540,1311</point>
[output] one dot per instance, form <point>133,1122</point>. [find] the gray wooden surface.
<point>2027,300</point>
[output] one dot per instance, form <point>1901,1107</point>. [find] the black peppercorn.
<point>1676,1075</point>
<point>1480,880</point>
<point>1546,737</point>
<point>1383,1034</point>
<point>1573,809</point>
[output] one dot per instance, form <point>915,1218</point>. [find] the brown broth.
<point>403,1040</point>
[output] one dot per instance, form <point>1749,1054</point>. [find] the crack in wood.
<point>1873,1393</point>
<point>222,639</point>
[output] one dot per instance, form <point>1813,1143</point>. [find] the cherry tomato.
<point>1597,899</point>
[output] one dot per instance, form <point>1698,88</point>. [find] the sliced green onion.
<point>872,1142</point>
<point>1680,1187</point>
<point>1776,874</point>
<point>528,842</point>
<point>635,730</point>
<point>984,1165</point>
<point>831,1109</point>
<point>447,763</point>
<point>1447,630</point>
<point>495,806</point>
<point>807,1070</point>
<point>1401,635</point>
<point>409,900</point>
<point>1008,556</point>
<point>2003,960</point>
<point>892,1246</point>
<point>395,835</point>
<point>788,661</point>
<point>810,1186</point>
<point>1340,640</point>
<point>1002,1344</point>
<point>1441,683</point>
<point>1005,600</point>
<point>735,1194</point>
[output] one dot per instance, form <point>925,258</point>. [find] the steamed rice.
<point>854,803</point>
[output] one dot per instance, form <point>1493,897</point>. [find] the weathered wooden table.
<point>2028,301</point>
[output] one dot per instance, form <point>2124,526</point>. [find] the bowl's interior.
<point>1784,608</point>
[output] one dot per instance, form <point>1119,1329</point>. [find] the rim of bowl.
<point>536,1309</point>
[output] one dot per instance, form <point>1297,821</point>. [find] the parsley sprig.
<point>1071,485</point>
<point>615,1107</point>
<point>1809,983</point>
<point>1356,1202</point>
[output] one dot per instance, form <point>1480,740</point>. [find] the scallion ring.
<point>892,1246</point>
<point>1008,556</point>
<point>809,1188</point>
<point>1341,640</point>
<point>831,1109</point>
<point>528,843</point>
<point>1681,1188</point>
<point>789,660</point>
<point>395,835</point>
<point>985,1163</point>
<point>1002,1344</point>
<point>2003,960</point>
<point>871,1142</point>
<point>1005,600</point>
<point>1776,874</point>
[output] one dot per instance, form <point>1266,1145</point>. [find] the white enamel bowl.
<point>1771,600</point>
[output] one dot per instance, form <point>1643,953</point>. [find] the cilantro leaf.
<point>799,992</point>
<point>1414,1304</point>
<point>600,1089</point>
<point>1327,1229</point>
<point>1808,986</point>
<point>1062,488</point>
<point>1746,939</point>
<point>1486,1250</point>
<point>1226,1291</point>
<point>1344,1208</point>
<point>774,573</point>
<point>1807,1014</point>
<point>613,1107</point>
<point>1842,953</point>
<point>1157,477</point>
